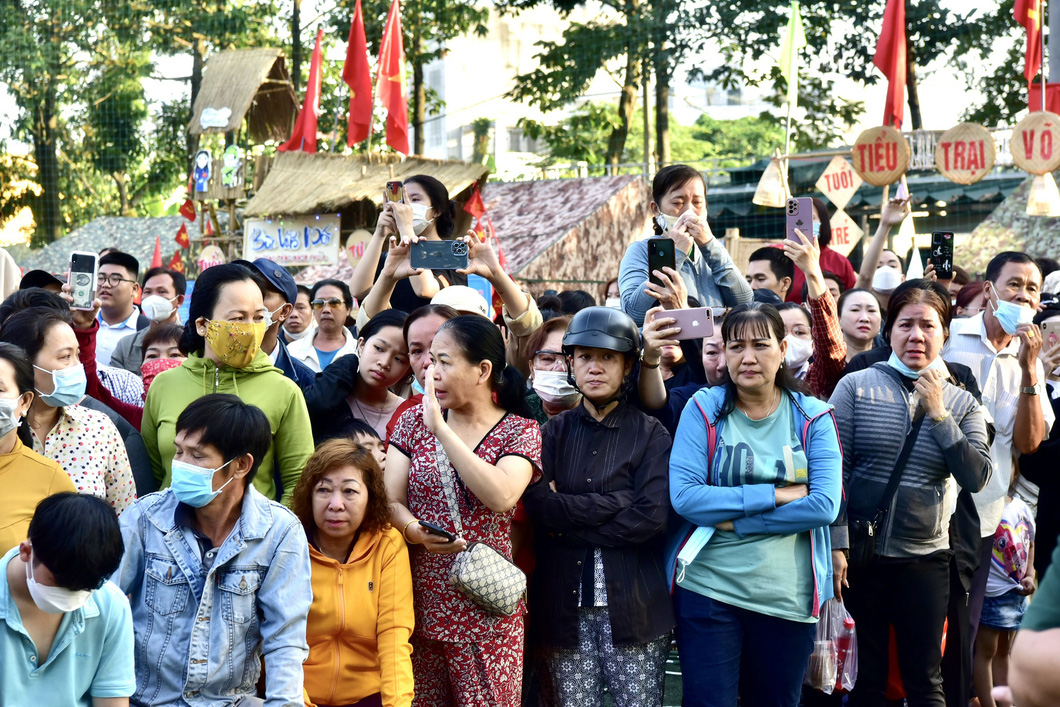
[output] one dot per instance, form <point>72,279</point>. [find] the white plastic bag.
<point>833,664</point>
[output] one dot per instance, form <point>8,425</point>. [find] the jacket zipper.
<point>216,378</point>
<point>342,630</point>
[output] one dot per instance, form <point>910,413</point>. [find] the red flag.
<point>891,61</point>
<point>156,259</point>
<point>182,237</point>
<point>187,210</point>
<point>1052,97</point>
<point>474,205</point>
<point>357,76</point>
<point>304,135</point>
<point>390,82</point>
<point>175,263</point>
<point>209,227</point>
<point>1029,14</point>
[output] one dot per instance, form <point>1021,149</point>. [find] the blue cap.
<point>276,275</point>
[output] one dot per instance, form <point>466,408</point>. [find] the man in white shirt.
<point>331,301</point>
<point>117,289</point>
<point>1001,346</point>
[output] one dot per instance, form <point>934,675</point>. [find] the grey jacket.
<point>128,354</point>
<point>874,412</point>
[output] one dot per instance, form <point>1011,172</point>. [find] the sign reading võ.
<point>293,240</point>
<point>965,153</point>
<point>880,156</point>
<point>1035,143</point>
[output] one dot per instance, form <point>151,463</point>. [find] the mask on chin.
<point>1009,314</point>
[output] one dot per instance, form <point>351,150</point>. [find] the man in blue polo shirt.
<point>66,637</point>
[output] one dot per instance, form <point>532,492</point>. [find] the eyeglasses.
<point>113,280</point>
<point>331,302</point>
<point>550,361</point>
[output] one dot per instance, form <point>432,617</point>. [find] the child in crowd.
<point>365,435</point>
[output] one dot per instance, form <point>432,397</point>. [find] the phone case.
<point>942,254</point>
<point>84,269</point>
<point>696,323</point>
<point>661,254</point>
<point>1050,333</point>
<point>439,255</point>
<point>799,214</point>
<point>393,191</point>
<point>436,530</point>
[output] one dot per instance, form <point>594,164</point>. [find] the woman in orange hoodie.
<point>361,617</point>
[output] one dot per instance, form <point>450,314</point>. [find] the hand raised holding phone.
<point>398,266</point>
<point>82,319</point>
<point>481,258</point>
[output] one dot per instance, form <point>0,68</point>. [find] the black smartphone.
<point>393,191</point>
<point>439,255</point>
<point>435,530</point>
<point>661,254</point>
<point>84,269</point>
<point>942,254</point>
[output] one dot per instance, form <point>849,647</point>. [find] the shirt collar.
<point>129,323</point>
<point>613,419</point>
<point>976,326</point>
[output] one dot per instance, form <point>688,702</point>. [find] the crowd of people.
<point>372,493</point>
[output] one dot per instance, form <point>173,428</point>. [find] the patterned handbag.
<point>484,575</point>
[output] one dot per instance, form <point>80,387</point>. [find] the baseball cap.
<point>277,276</point>
<point>463,299</point>
<point>40,278</point>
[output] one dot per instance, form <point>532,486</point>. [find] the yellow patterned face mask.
<point>235,343</point>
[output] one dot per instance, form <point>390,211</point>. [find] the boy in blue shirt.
<point>66,633</point>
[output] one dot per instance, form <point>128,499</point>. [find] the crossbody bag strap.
<point>445,470</point>
<point>903,456</point>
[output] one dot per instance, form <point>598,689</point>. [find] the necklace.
<point>372,415</point>
<point>776,394</point>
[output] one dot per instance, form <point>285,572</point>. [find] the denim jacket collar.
<point>255,517</point>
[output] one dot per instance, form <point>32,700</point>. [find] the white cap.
<point>463,299</point>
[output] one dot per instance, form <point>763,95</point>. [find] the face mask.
<point>666,222</point>
<point>554,388</point>
<point>69,386</point>
<point>896,363</point>
<point>157,308</point>
<point>798,352</point>
<point>193,485</point>
<point>8,419</point>
<point>417,388</point>
<point>152,368</point>
<point>613,302</point>
<point>816,229</point>
<point>269,321</point>
<point>296,337</point>
<point>54,600</point>
<point>1010,315</point>
<point>235,343</point>
<point>419,218</point>
<point>886,279</point>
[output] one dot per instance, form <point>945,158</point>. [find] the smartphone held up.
<point>84,269</point>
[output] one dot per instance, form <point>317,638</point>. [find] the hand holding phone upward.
<point>661,254</point>
<point>84,269</point>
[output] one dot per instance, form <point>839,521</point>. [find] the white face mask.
<point>419,218</point>
<point>156,307</point>
<point>54,600</point>
<point>269,321</point>
<point>666,221</point>
<point>613,302</point>
<point>9,420</point>
<point>798,353</point>
<point>886,279</point>
<point>554,388</point>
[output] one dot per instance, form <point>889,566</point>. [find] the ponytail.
<point>510,386</point>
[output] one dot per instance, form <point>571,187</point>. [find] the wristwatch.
<point>1029,389</point>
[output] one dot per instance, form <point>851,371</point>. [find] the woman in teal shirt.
<point>755,471</point>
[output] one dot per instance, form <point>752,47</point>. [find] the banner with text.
<point>295,240</point>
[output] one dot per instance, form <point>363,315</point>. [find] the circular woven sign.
<point>355,246</point>
<point>880,156</point>
<point>965,153</point>
<point>1035,144</point>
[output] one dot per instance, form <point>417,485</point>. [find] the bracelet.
<point>940,418</point>
<point>414,520</point>
<point>648,365</point>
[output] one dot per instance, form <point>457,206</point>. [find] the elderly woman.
<point>361,617</point>
<point>907,434</point>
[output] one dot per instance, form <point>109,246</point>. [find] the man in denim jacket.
<point>217,574</point>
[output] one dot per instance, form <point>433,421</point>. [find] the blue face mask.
<point>816,229</point>
<point>417,388</point>
<point>68,385</point>
<point>1010,315</point>
<point>193,485</point>
<point>896,363</point>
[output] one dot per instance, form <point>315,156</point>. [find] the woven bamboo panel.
<point>881,156</point>
<point>965,153</point>
<point>1035,144</point>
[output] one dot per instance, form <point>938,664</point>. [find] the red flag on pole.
<point>357,76</point>
<point>304,136</point>
<point>182,237</point>
<point>891,60</point>
<point>390,82</point>
<point>187,210</point>
<point>1028,13</point>
<point>175,263</point>
<point>156,259</point>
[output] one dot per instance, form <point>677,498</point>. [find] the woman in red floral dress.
<point>463,654</point>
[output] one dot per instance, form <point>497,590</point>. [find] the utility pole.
<point>1053,56</point>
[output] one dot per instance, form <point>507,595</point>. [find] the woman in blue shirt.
<point>755,471</point>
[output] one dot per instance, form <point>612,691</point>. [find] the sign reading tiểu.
<point>293,240</point>
<point>839,182</point>
<point>1035,143</point>
<point>965,153</point>
<point>880,155</point>
<point>845,232</point>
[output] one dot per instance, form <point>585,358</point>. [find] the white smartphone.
<point>84,269</point>
<point>695,323</point>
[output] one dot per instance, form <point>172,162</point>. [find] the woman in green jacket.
<point>226,322</point>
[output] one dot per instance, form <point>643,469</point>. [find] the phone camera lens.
<point>459,248</point>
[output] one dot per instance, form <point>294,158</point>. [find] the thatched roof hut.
<point>250,83</point>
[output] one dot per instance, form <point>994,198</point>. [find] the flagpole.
<point>1041,40</point>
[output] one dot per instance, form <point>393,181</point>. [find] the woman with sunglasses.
<point>331,302</point>
<point>552,392</point>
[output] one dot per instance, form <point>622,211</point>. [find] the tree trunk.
<point>911,90</point>
<point>123,193</point>
<point>48,213</point>
<point>419,91</point>
<point>296,45</point>
<point>663,74</point>
<point>192,141</point>
<point>616,143</point>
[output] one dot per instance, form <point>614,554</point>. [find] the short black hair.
<point>122,260</point>
<point>357,426</point>
<point>180,284</point>
<point>937,297</point>
<point>29,329</point>
<point>303,290</point>
<point>574,301</point>
<point>33,297</point>
<point>827,275</point>
<point>230,425</point>
<point>77,538</point>
<point>162,332</point>
<point>901,260</point>
<point>208,288</point>
<point>347,296</point>
<point>781,265</point>
<point>999,261</point>
<point>1047,265</point>
<point>675,175</point>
